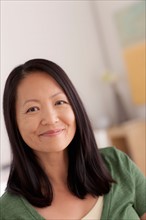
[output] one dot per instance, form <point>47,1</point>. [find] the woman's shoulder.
<point>15,207</point>
<point>113,155</point>
<point>10,205</point>
<point>116,160</point>
<point>110,151</point>
<point>120,164</point>
<point>130,183</point>
<point>8,199</point>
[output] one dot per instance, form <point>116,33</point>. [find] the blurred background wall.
<point>84,39</point>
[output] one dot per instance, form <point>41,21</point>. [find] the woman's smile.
<point>52,133</point>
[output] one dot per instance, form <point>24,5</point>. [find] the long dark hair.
<point>87,173</point>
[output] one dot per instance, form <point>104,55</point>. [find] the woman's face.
<point>44,115</point>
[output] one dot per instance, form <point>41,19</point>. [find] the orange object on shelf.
<point>135,60</point>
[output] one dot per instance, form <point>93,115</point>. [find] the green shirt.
<point>125,201</point>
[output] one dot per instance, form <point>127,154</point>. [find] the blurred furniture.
<point>130,137</point>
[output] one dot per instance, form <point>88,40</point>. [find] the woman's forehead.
<point>38,83</point>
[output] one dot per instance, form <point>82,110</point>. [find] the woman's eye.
<point>60,102</point>
<point>32,109</point>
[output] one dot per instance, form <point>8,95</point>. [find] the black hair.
<point>87,173</point>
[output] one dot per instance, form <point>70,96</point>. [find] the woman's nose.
<point>49,117</point>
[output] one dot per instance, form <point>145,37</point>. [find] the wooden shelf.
<point>130,137</point>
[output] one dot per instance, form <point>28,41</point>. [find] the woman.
<point>57,171</point>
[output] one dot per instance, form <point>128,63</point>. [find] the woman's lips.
<point>51,133</point>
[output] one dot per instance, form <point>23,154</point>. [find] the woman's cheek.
<point>68,116</point>
<point>27,126</point>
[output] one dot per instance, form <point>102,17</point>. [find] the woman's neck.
<point>55,166</point>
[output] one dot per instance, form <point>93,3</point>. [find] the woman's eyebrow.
<point>30,100</point>
<point>58,93</point>
<point>36,100</point>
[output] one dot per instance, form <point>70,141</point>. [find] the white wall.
<point>67,33</point>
